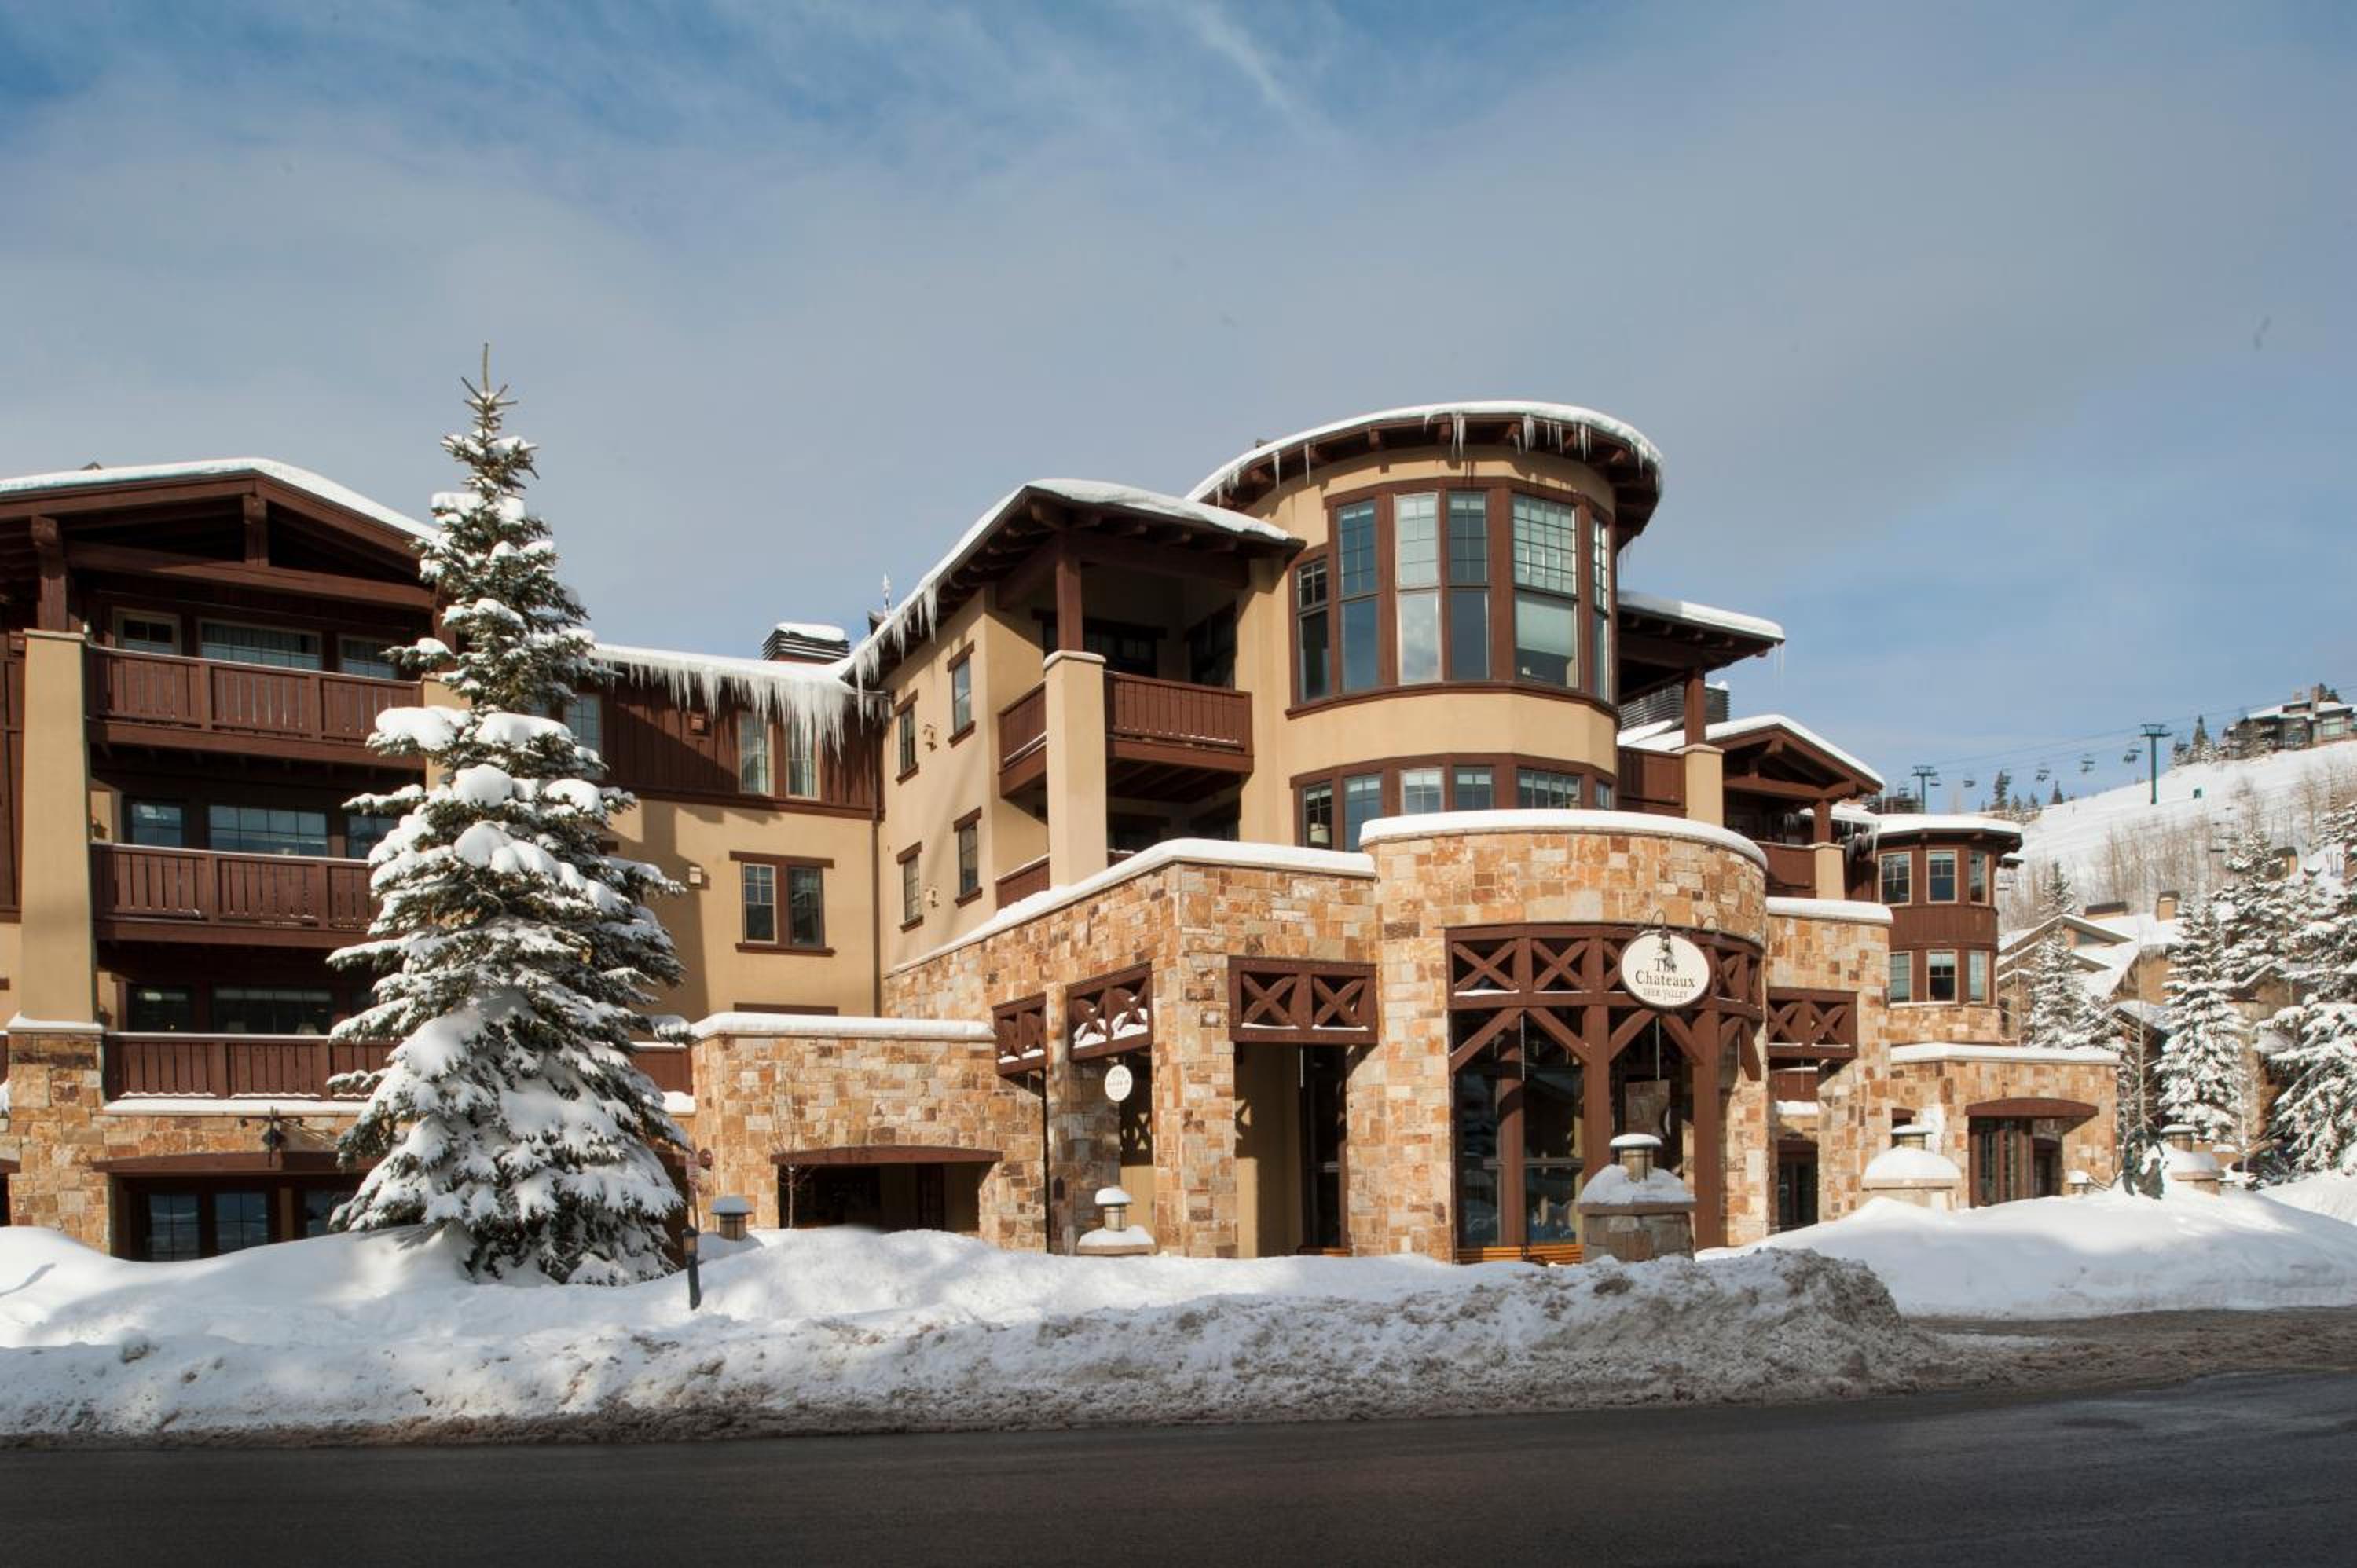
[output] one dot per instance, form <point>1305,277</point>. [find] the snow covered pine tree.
<point>516,948</point>
<point>2315,1117</point>
<point>2202,1066</point>
<point>2063,1016</point>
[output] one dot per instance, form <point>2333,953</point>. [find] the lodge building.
<point>1307,798</point>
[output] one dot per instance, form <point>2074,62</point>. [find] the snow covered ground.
<point>835,1330</point>
<point>2332,1195</point>
<point>2081,1257</point>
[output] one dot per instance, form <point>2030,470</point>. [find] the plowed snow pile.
<point>379,1336</point>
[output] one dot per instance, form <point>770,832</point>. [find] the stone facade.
<point>1942,1093</point>
<point>1848,954</point>
<point>833,1084</point>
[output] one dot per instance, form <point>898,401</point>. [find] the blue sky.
<point>2003,354</point>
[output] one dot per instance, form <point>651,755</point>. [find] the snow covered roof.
<point>1668,735</point>
<point>286,473</point>
<point>1532,425</point>
<point>1707,616</point>
<point>814,631</point>
<point>1914,825</point>
<point>911,620</point>
<point>815,696</point>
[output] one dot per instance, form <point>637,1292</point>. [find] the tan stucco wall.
<point>59,960</point>
<point>706,923</point>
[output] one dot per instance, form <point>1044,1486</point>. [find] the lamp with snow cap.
<point>734,1213</point>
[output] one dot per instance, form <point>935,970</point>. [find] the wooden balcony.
<point>1791,870</point>
<point>228,1066</point>
<point>210,704</point>
<point>144,894</point>
<point>1164,739</point>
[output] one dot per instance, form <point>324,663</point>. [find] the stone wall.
<point>1943,1092</point>
<point>1184,915</point>
<point>1851,1124</point>
<point>1943,1023</point>
<point>59,1131</point>
<point>839,1082</point>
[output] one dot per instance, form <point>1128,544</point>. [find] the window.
<point>912,908</point>
<point>1211,649</point>
<point>1546,591</point>
<point>1976,972</point>
<point>172,1227</point>
<point>258,645</point>
<point>1940,877</point>
<point>758,882</point>
<point>969,858</point>
<point>962,696</point>
<point>1601,596</point>
<point>1309,615</point>
<point>364,656</point>
<point>319,1206</point>
<point>802,761</point>
<point>364,833</point>
<point>1468,586</point>
<point>146,633</point>
<point>906,731</point>
<point>1126,650</point>
<point>1902,977</point>
<point>265,830</point>
<point>1419,791</point>
<point>1473,790</point>
<point>805,906</point>
<point>584,715</point>
<point>1603,795</point>
<point>753,754</point>
<point>1540,788</point>
<point>272,1010</point>
<point>161,824</point>
<point>1355,585</point>
<point>1317,816</point>
<point>160,1010</point>
<point>241,1219</point>
<point>1415,554</point>
<point>1979,884</point>
<point>1897,878</point>
<point>1940,977</point>
<point>1362,802</point>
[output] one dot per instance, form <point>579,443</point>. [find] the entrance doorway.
<point>885,1188</point>
<point>1324,1124</point>
<point>1796,1185</point>
<point>2016,1158</point>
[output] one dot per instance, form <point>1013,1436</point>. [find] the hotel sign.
<point>1664,971</point>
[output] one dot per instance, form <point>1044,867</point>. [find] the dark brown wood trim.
<point>2033,1109</point>
<point>1097,999</point>
<point>781,860</point>
<point>1453,689</point>
<point>781,949</point>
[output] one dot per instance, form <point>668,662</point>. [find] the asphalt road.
<point>2224,1470</point>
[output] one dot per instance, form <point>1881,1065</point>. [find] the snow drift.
<point>2084,1256</point>
<point>376,1336</point>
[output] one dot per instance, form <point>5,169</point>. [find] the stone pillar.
<point>58,971</point>
<point>1910,1172</point>
<point>1633,1212</point>
<point>1076,765</point>
<point>1706,784</point>
<point>55,1089</point>
<point>2186,1169</point>
<point>1830,882</point>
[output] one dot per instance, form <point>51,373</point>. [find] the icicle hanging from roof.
<point>812,698</point>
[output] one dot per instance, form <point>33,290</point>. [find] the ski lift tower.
<point>2153,736</point>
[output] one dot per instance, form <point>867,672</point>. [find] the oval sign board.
<point>1118,1083</point>
<point>1664,971</point>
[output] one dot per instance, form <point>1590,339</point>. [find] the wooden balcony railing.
<point>671,1067</point>
<point>199,887</point>
<point>1794,1085</point>
<point>217,703</point>
<point>1791,870</point>
<point>1177,712</point>
<point>1021,883</point>
<point>224,1067</point>
<point>1023,732</point>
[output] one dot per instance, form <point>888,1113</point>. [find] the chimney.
<point>802,642</point>
<point>2165,907</point>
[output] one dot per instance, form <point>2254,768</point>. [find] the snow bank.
<point>2083,1257</point>
<point>2332,1195</point>
<point>835,1331</point>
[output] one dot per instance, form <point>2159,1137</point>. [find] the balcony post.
<point>1706,784</point>
<point>1076,765</point>
<point>57,974</point>
<point>1697,709</point>
<point>1831,883</point>
<point>1069,620</point>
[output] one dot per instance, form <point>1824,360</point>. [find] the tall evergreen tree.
<point>2257,909</point>
<point>2314,1120</point>
<point>2062,1015</point>
<point>2204,1077</point>
<point>517,949</point>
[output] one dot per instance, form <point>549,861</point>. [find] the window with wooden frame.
<point>912,904</point>
<point>1604,674</point>
<point>969,857</point>
<point>1362,802</point>
<point>1940,877</point>
<point>1940,976</point>
<point>1902,977</point>
<point>1544,790</point>
<point>784,901</point>
<point>1899,878</point>
<point>1546,591</point>
<point>961,696</point>
<point>801,760</point>
<point>1976,976</point>
<point>236,642</point>
<point>1977,888</point>
<point>1421,791</point>
<point>1472,788</point>
<point>146,631</point>
<point>1317,816</point>
<point>1469,585</point>
<point>904,729</point>
<point>754,773</point>
<point>1333,807</point>
<point>1358,583</point>
<point>159,824</point>
<point>1314,667</point>
<point>365,656</point>
<point>1415,584</point>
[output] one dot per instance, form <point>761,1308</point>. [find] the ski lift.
<point>2044,773</point>
<point>2087,763</point>
<point>2128,755</point>
<point>1971,782</point>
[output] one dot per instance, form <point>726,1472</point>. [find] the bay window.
<point>1940,977</point>
<point>1979,887</point>
<point>1419,791</point>
<point>1317,816</point>
<point>1357,580</point>
<point>1976,976</point>
<point>1902,977</point>
<point>1362,802</point>
<point>1472,790</point>
<point>1601,596</point>
<point>1898,877</point>
<point>1544,790</point>
<point>1939,876</point>
<point>1311,636</point>
<point>1468,586</point>
<point>1546,591</point>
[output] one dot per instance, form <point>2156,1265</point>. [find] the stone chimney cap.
<point>1108,1196</point>
<point>1636,1140</point>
